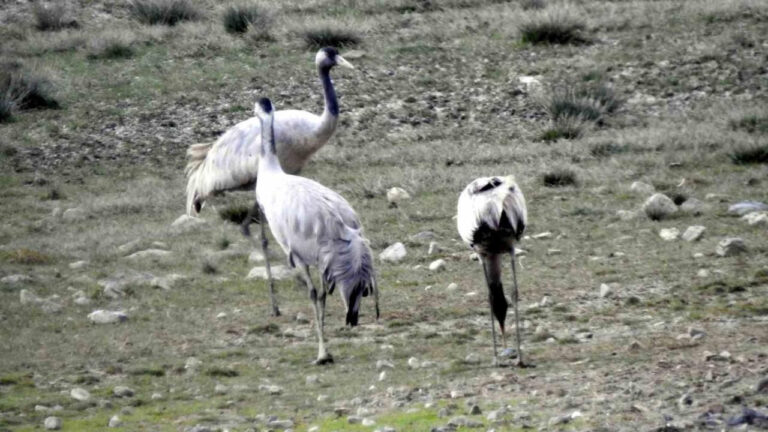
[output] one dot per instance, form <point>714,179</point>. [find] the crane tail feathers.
<point>196,154</point>
<point>349,265</point>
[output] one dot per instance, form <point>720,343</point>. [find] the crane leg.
<point>323,356</point>
<point>265,251</point>
<point>321,298</point>
<point>515,299</point>
<point>490,308</point>
<point>245,225</point>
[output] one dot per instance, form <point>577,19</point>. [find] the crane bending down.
<point>232,162</point>
<point>315,226</point>
<point>491,218</point>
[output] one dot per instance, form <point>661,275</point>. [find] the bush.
<point>532,4</point>
<point>167,12</point>
<point>561,25</point>
<point>559,177</point>
<point>752,123</point>
<point>52,17</point>
<point>605,149</point>
<point>234,213</point>
<point>563,128</point>
<point>327,36</point>
<point>572,107</point>
<point>111,45</point>
<point>245,17</point>
<point>749,154</point>
<point>20,89</point>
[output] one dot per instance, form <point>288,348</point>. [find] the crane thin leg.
<point>245,225</point>
<point>323,356</point>
<point>490,308</point>
<point>265,251</point>
<point>515,300</point>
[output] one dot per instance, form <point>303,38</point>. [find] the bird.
<point>491,219</point>
<point>317,227</point>
<point>231,163</point>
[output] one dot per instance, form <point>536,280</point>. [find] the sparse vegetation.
<point>316,38</point>
<point>749,153</point>
<point>167,12</point>
<point>559,177</point>
<point>21,89</point>
<point>24,257</point>
<point>606,149</point>
<point>752,123</point>
<point>564,128</point>
<point>111,45</point>
<point>52,16</point>
<point>246,18</point>
<point>555,25</point>
<point>234,213</point>
<point>533,4</point>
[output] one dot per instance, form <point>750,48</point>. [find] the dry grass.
<point>165,12</point>
<point>50,16</point>
<point>560,24</point>
<point>318,37</point>
<point>113,44</point>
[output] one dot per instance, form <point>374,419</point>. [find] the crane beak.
<point>341,62</point>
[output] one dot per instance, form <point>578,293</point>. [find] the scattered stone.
<point>15,279</point>
<point>156,396</point>
<point>396,195</point>
<point>394,253</point>
<point>437,265</point>
<point>453,286</point>
<point>187,221</point>
<point>626,215</point>
<point>642,188</point>
<point>56,212</point>
<point>474,256</point>
<point>413,363</point>
<point>745,207</point>
<point>26,297</point>
<point>731,246</point>
<point>368,422</point>
<point>280,424</point>
<point>101,316</point>
<point>52,423</point>
<point>693,233</point>
<point>383,364</point>
<point>423,236</point>
<point>80,394</point>
<point>462,421</point>
<point>754,218</point>
<point>42,408</point>
<point>74,214</point>
<point>353,419</point>
<point>694,206</point>
<point>77,265</point>
<point>220,389</point>
<point>433,248</point>
<point>531,83</point>
<point>659,206</point>
<point>542,236</point>
<point>703,273</point>
<point>131,246</point>
<point>122,391</point>
<point>192,364</point>
<point>669,234</point>
<point>115,421</point>
<point>762,386</point>
<point>456,394</point>
<point>382,376</point>
<point>554,251</point>
<point>198,428</point>
<point>312,379</point>
<point>279,272</point>
<point>341,411</point>
<point>475,410</point>
<point>273,390</point>
<point>302,318</point>
<point>472,358</point>
<point>149,254</point>
<point>385,429</point>
<point>605,291</point>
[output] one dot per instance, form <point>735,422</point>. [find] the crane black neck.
<point>331,103</point>
<point>268,137</point>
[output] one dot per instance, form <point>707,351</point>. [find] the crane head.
<point>263,107</point>
<point>329,57</point>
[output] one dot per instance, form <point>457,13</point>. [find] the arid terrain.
<point>635,321</point>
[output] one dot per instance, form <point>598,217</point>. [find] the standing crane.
<point>491,219</point>
<point>317,227</point>
<point>232,162</point>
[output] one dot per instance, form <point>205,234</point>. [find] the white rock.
<point>220,389</point>
<point>433,248</point>
<point>703,273</point>
<point>56,212</point>
<point>129,247</point>
<point>642,188</point>
<point>669,234</point>
<point>554,251</point>
<point>659,206</point>
<point>756,218</point>
<point>26,297</point>
<point>694,206</point>
<point>122,391</point>
<point>78,265</point>
<point>149,253</point>
<point>279,272</point>
<point>368,422</point>
<point>192,363</point>
<point>221,315</point>
<point>472,358</point>
<point>15,279</point>
<point>115,421</point>
<point>101,316</point>
<point>82,300</point>
<point>396,195</point>
<point>271,389</point>
<point>186,221</point>
<point>731,246</point>
<point>52,423</point>
<point>693,233</point>
<point>156,396</point>
<point>453,286</point>
<point>471,294</point>
<point>474,256</point>
<point>312,379</point>
<point>383,364</point>
<point>745,207</point>
<point>605,291</point>
<point>413,363</point>
<point>541,236</point>
<point>382,375</point>
<point>393,253</point>
<point>256,256</point>
<point>532,84</point>
<point>437,265</point>
<point>74,214</point>
<point>626,215</point>
<point>166,282</point>
<point>80,394</point>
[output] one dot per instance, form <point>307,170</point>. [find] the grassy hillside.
<point>578,100</point>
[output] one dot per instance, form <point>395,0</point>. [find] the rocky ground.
<point>643,274</point>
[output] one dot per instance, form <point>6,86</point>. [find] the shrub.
<point>326,36</point>
<point>752,123</point>
<point>21,89</point>
<point>749,154</point>
<point>573,106</point>
<point>561,25</point>
<point>167,12</point>
<point>234,213</point>
<point>559,177</point>
<point>52,17</point>
<point>245,17</point>
<point>564,127</point>
<point>605,149</point>
<point>111,45</point>
<point>532,4</point>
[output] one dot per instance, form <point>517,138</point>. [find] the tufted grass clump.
<point>52,17</point>
<point>563,128</point>
<point>554,25</point>
<point>319,37</point>
<point>533,4</point>
<point>165,12</point>
<point>753,123</point>
<point>111,45</point>
<point>559,177</point>
<point>749,154</point>
<point>246,17</point>
<point>587,101</point>
<point>21,89</point>
<point>234,213</point>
